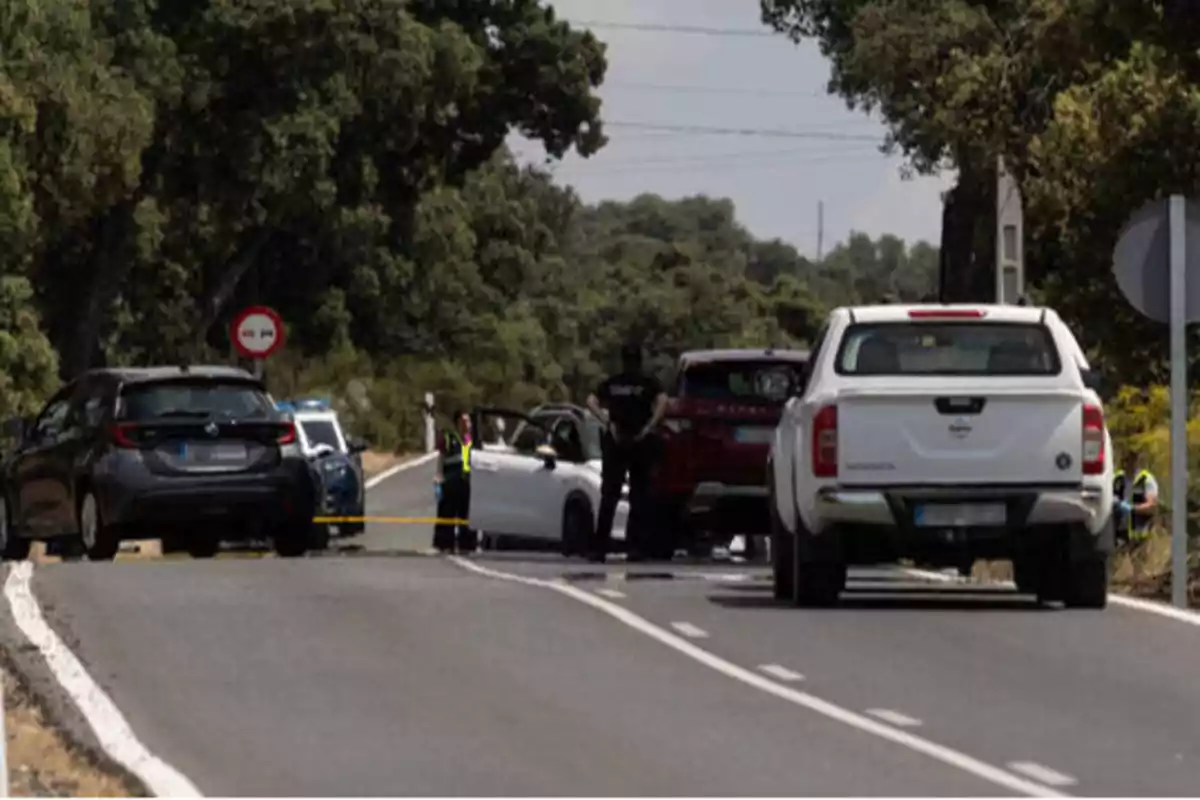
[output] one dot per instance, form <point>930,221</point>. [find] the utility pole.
<point>1010,238</point>
<point>820,230</point>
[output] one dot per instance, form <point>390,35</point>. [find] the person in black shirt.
<point>631,404</point>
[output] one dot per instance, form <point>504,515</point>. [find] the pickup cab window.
<point>948,348</point>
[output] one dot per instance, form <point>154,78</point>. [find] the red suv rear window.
<point>745,381</point>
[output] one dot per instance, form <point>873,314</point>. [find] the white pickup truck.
<point>944,434</point>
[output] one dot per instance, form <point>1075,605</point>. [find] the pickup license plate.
<point>948,515</point>
<point>754,435</point>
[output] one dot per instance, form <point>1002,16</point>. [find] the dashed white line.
<point>998,776</point>
<point>611,593</point>
<point>110,726</point>
<point>1042,774</point>
<point>894,717</point>
<point>781,672</point>
<point>689,630</point>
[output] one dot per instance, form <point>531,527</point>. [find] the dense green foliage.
<point>1093,104</point>
<point>166,163</point>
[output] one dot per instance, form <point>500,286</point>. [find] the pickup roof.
<point>944,434</point>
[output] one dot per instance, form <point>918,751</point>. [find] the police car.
<point>336,457</point>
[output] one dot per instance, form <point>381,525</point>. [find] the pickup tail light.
<point>119,433</point>
<point>1093,440</point>
<point>288,433</point>
<point>824,443</point>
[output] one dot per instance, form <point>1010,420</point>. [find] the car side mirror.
<point>356,446</point>
<point>548,455</point>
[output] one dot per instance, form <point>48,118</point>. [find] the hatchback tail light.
<point>824,443</point>
<point>287,433</point>
<point>1093,440</point>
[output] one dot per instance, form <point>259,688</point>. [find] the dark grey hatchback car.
<point>195,455</point>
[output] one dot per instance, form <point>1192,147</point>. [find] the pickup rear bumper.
<point>1026,506</point>
<point>878,526</point>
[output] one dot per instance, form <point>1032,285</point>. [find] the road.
<point>382,673</point>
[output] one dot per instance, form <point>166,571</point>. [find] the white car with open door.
<point>944,434</point>
<point>535,478</point>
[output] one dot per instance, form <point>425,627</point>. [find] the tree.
<point>251,136</point>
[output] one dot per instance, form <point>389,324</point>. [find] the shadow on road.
<point>900,598</point>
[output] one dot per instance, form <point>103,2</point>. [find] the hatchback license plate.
<point>208,453</point>
<point>755,435</point>
<point>947,515</point>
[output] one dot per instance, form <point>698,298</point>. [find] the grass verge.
<point>42,762</point>
<point>1141,569</point>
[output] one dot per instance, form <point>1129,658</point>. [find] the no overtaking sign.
<point>257,332</point>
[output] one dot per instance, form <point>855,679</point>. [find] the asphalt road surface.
<point>383,674</point>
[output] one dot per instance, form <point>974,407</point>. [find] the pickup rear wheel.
<point>819,583</point>
<point>1087,583</point>
<point>783,561</point>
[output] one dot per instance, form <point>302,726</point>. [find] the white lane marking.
<point>689,630</point>
<point>611,593</point>
<point>1042,774</point>
<point>853,719</point>
<point>1138,604</point>
<point>109,725</point>
<point>375,480</point>
<point>781,672</point>
<point>894,717</point>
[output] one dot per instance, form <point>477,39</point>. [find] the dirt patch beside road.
<point>42,762</point>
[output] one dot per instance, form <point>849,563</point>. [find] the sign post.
<point>1179,402</point>
<point>1160,277</point>
<point>430,444</point>
<point>257,333</point>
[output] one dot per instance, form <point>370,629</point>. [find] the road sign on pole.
<point>1160,276</point>
<point>257,332</point>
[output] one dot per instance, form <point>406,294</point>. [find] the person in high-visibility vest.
<point>453,489</point>
<point>1136,500</point>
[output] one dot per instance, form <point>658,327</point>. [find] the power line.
<point>566,173</point>
<point>602,163</point>
<point>780,133</point>
<point>637,86</point>
<point>650,27</point>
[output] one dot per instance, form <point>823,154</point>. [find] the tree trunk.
<point>218,298</point>
<point>967,269</point>
<point>107,271</point>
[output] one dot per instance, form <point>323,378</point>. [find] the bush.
<point>1140,421</point>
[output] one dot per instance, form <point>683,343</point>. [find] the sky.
<point>760,83</point>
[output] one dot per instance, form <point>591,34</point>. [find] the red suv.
<point>723,412</point>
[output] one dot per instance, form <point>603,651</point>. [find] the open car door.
<point>514,489</point>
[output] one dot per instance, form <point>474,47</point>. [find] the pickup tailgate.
<point>984,437</point>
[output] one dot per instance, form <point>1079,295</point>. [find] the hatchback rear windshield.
<point>948,348</point>
<point>192,400</point>
<point>752,381</point>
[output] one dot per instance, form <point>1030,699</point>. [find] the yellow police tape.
<point>394,520</point>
